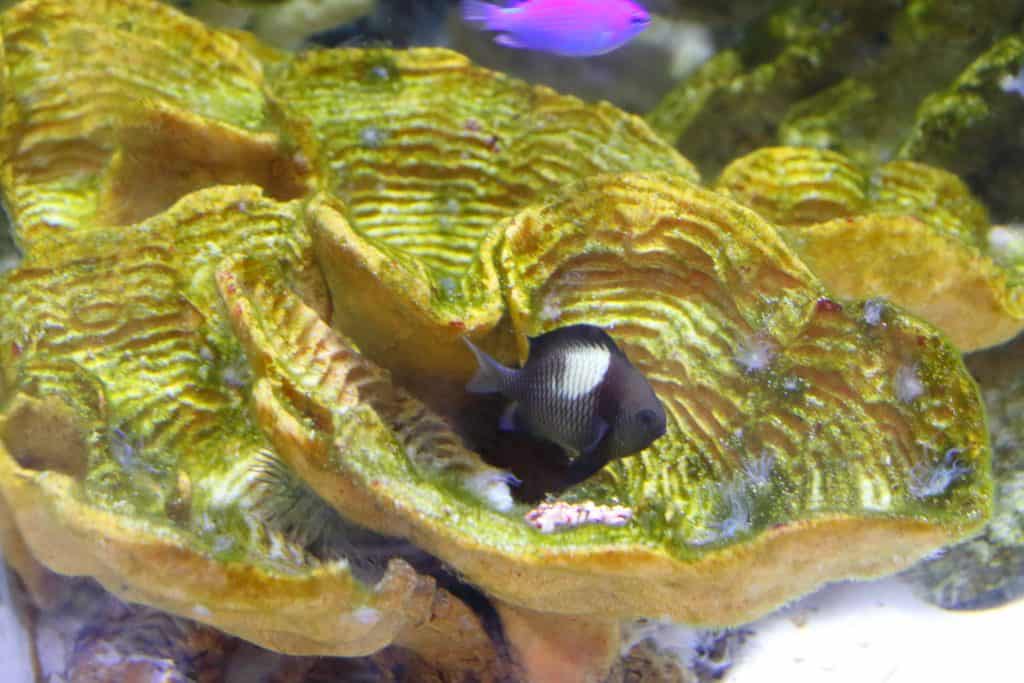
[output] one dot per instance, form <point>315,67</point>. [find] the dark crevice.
<point>10,254</point>
<point>472,597</point>
<point>996,183</point>
<point>290,506</point>
<point>368,553</point>
<point>392,23</point>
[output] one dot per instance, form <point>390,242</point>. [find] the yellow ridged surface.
<point>321,376</point>
<point>294,611</point>
<point>689,284</point>
<point>144,349</point>
<point>172,329</point>
<point>933,195</point>
<point>796,186</point>
<point>907,232</point>
<point>692,287</point>
<point>78,73</point>
<point>428,152</point>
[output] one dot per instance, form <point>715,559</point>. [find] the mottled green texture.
<point>150,321</point>
<point>973,127</point>
<point>431,153</point>
<point>789,417</point>
<point>762,394</point>
<point>873,80</point>
<point>734,103</point>
<point>905,232</point>
<point>139,360</point>
<point>68,134</point>
<point>988,570</point>
<point>127,445</point>
<point>174,328</point>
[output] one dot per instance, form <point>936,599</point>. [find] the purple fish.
<point>574,28</point>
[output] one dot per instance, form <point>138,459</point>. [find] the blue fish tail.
<point>481,13</point>
<point>491,377</point>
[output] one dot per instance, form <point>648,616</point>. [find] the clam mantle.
<point>235,256</point>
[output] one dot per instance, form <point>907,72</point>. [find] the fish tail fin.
<point>491,376</point>
<point>480,13</point>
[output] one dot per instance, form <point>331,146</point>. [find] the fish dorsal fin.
<point>572,336</point>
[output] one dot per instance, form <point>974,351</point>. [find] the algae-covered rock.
<point>972,127</point>
<point>89,98</point>
<point>231,366</point>
<point>793,423</point>
<point>988,570</point>
<point>905,232</point>
<point>920,80</point>
<point>126,454</point>
<point>736,101</point>
<point>430,154</point>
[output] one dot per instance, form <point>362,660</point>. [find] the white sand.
<point>15,657</point>
<point>879,632</point>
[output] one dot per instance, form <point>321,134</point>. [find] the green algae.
<point>191,331</point>
<point>903,231</point>
<point>129,451</point>
<point>988,570</point>
<point>874,81</point>
<point>971,127</point>
<point>754,443</point>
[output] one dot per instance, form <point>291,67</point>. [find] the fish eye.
<point>639,18</point>
<point>646,417</point>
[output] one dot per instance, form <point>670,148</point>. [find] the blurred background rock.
<point>635,77</point>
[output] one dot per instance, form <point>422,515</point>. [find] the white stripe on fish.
<point>583,371</point>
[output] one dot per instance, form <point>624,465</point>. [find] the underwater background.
<point>245,244</point>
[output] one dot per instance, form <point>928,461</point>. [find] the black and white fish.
<point>578,390</point>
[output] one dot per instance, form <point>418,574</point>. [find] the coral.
<point>988,570</point>
<point>908,233</point>
<point>232,369</point>
<point>455,150</point>
<point>382,459</point>
<point>144,350</point>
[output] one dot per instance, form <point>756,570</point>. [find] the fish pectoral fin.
<point>509,420</point>
<point>598,430</point>
<point>508,41</point>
